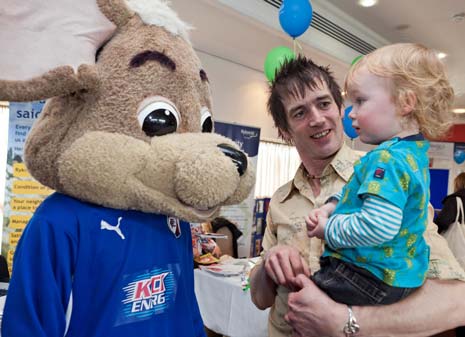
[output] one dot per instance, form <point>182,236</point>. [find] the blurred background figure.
<point>223,226</point>
<point>4,273</point>
<point>205,249</point>
<point>448,215</point>
<point>449,205</point>
<point>211,240</point>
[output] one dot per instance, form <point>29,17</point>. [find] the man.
<point>305,103</point>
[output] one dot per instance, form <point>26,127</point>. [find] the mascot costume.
<point>125,139</point>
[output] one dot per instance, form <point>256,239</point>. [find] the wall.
<point>239,94</point>
<point>223,32</point>
<point>233,48</point>
<point>456,134</point>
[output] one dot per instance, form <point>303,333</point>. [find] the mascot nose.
<point>238,157</point>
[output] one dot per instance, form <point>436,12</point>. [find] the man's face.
<point>315,123</point>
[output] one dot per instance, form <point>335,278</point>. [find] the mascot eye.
<point>206,121</point>
<point>158,119</point>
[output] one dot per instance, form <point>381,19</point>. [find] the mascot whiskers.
<point>125,139</point>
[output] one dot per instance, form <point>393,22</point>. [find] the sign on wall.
<point>248,139</point>
<point>438,186</point>
<point>22,193</point>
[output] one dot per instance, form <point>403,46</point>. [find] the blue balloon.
<point>459,156</point>
<point>295,16</point>
<point>347,123</point>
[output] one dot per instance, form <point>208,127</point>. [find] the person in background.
<point>204,248</point>
<point>4,272</point>
<point>228,246</point>
<point>448,212</point>
<point>306,105</point>
<point>375,252</point>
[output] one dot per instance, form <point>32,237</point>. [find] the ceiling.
<point>239,35</point>
<point>234,30</point>
<point>429,22</point>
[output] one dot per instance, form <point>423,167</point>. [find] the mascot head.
<point>128,120</point>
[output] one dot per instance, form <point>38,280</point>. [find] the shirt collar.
<point>416,137</point>
<point>289,187</point>
<point>342,164</point>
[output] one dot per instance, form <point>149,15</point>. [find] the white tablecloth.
<point>2,305</point>
<point>226,308</point>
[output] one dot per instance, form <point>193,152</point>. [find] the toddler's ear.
<point>407,102</point>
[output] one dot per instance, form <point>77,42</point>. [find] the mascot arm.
<point>42,280</point>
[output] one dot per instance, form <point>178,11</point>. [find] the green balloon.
<point>275,59</point>
<point>355,60</point>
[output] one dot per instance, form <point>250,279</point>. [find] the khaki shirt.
<point>286,225</point>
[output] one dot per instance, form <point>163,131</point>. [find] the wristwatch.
<point>351,328</point>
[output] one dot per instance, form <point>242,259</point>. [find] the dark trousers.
<point>460,331</point>
<point>349,284</point>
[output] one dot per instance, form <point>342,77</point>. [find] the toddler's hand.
<point>316,222</point>
<point>312,219</point>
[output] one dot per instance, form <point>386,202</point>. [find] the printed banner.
<point>459,153</point>
<point>22,193</point>
<point>440,155</point>
<point>248,139</point>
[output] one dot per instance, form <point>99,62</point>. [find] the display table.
<point>226,308</point>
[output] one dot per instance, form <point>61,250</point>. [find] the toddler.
<point>375,252</point>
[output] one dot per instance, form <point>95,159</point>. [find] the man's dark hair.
<point>292,79</point>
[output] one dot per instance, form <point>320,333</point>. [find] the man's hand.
<point>283,263</point>
<point>312,313</point>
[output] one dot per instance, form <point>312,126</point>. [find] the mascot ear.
<point>116,10</point>
<point>49,47</point>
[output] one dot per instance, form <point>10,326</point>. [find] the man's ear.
<point>285,135</point>
<point>407,102</point>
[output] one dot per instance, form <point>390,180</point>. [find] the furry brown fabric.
<point>126,136</point>
<point>90,144</point>
<point>56,82</point>
<point>116,11</point>
<point>167,175</point>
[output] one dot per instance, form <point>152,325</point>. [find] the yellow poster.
<point>22,193</point>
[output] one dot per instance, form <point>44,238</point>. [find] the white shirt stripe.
<point>378,221</point>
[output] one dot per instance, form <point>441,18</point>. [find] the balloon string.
<point>297,45</point>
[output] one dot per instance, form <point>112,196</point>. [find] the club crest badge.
<point>379,173</point>
<point>174,226</point>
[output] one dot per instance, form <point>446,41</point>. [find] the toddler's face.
<point>374,114</point>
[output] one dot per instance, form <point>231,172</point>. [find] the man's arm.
<point>436,307</point>
<point>262,287</point>
<point>280,265</point>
